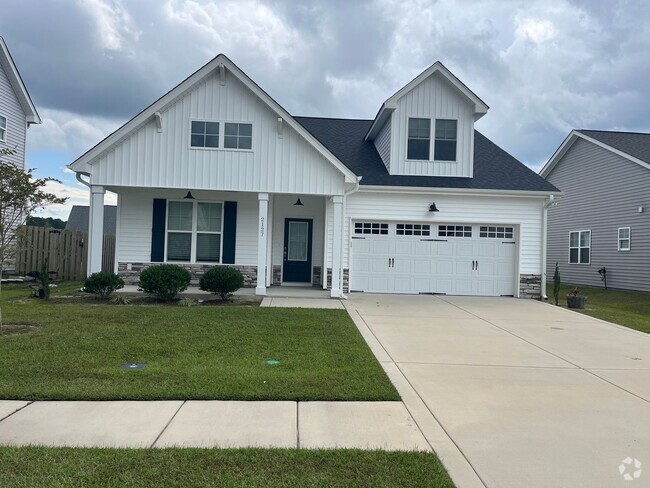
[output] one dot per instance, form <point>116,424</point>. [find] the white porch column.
<point>95,229</point>
<point>263,220</point>
<point>337,246</point>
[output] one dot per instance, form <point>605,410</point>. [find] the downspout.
<point>80,180</point>
<point>354,189</point>
<point>548,203</point>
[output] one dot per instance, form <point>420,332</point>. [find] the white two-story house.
<point>216,172</point>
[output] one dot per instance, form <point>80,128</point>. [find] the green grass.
<point>59,467</point>
<point>201,352</point>
<point>623,307</point>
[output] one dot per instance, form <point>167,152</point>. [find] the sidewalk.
<point>224,424</point>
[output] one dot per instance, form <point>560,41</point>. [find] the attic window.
<point>419,139</point>
<point>238,136</point>
<point>445,145</point>
<point>3,128</point>
<point>204,134</point>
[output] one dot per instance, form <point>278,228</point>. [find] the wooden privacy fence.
<point>66,251</point>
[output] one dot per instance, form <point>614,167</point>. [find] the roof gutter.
<point>458,191</point>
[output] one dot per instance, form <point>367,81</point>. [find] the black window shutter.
<point>229,232</point>
<point>158,230</point>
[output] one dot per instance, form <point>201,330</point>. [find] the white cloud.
<point>113,24</point>
<point>77,195</point>
<point>535,30</point>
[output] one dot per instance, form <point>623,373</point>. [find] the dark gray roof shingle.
<point>494,169</point>
<point>80,215</point>
<point>636,144</point>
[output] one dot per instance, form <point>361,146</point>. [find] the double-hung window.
<point>580,247</point>
<point>194,231</point>
<point>419,139</point>
<point>445,144</point>
<point>3,128</point>
<point>624,239</point>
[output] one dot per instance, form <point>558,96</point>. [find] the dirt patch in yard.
<point>9,330</point>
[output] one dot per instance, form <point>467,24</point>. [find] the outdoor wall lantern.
<point>189,196</point>
<point>433,208</point>
<point>299,203</point>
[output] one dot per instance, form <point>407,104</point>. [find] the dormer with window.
<point>427,128</point>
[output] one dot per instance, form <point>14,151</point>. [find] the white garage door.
<point>457,259</point>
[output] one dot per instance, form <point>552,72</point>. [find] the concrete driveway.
<point>528,394</point>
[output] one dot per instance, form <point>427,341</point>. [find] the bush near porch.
<point>623,307</point>
<point>74,347</point>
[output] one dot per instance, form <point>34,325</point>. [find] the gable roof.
<point>188,84</point>
<point>494,169</point>
<point>80,216</point>
<point>7,63</point>
<point>634,146</point>
<point>480,107</point>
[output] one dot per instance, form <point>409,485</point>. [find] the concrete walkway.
<point>130,424</point>
<point>516,393</point>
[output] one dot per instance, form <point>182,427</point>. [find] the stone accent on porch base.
<point>316,280</point>
<point>132,276</point>
<point>346,279</point>
<point>276,279</point>
<point>530,286</point>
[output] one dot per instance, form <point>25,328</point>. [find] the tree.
<point>46,222</point>
<point>20,195</point>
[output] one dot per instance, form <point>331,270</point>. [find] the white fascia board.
<point>31,115</point>
<point>458,191</point>
<point>187,85</point>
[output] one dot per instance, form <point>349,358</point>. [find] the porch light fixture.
<point>189,196</point>
<point>433,208</point>
<point>299,203</point>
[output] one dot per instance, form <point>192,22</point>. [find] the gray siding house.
<point>603,217</point>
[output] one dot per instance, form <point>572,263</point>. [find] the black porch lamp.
<point>189,196</point>
<point>299,203</point>
<point>433,208</point>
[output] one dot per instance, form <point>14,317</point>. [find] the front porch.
<point>277,241</point>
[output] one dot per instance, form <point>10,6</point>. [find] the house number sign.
<point>262,227</point>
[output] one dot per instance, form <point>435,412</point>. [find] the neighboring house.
<point>17,113</point>
<point>413,201</point>
<point>603,217</point>
<point>79,218</point>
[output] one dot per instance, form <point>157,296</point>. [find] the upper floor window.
<point>624,239</point>
<point>419,139</point>
<point>445,144</point>
<point>3,128</point>
<point>238,136</point>
<point>580,247</point>
<point>204,134</point>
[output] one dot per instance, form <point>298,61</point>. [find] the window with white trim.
<point>3,128</point>
<point>445,144</point>
<point>580,247</point>
<point>454,231</point>
<point>413,230</point>
<point>238,136</point>
<point>494,232</point>
<point>624,239</point>
<point>370,228</point>
<point>419,139</point>
<point>194,231</point>
<point>204,134</point>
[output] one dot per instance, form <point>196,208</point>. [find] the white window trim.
<point>433,138</point>
<point>4,139</point>
<point>194,232</point>
<point>628,239</point>
<point>579,246</point>
<point>222,131</point>
<point>406,148</point>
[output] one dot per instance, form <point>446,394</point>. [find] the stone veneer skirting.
<point>346,279</point>
<point>530,286</point>
<point>132,276</point>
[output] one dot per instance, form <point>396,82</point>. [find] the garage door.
<point>455,259</point>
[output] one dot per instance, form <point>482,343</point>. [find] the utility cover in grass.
<point>133,366</point>
<point>272,362</point>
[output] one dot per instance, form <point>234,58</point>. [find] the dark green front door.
<point>297,250</point>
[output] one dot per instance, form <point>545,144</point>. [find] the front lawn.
<point>74,348</point>
<point>623,307</point>
<point>38,466</point>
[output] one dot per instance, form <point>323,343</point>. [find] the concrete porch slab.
<point>88,424</point>
<point>7,407</point>
<point>302,303</point>
<point>233,424</point>
<point>359,425</point>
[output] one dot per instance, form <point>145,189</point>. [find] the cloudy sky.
<point>543,66</point>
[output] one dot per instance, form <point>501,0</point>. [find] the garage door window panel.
<point>370,228</point>
<point>454,231</point>
<point>496,232</point>
<point>413,230</point>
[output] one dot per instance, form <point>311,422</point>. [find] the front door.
<point>297,250</point>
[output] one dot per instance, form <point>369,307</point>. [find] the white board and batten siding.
<point>383,143</point>
<point>434,98</point>
<point>11,109</point>
<point>276,164</point>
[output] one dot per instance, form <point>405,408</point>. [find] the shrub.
<point>103,284</point>
<point>165,280</point>
<point>121,300</point>
<point>222,281</point>
<point>186,302</point>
